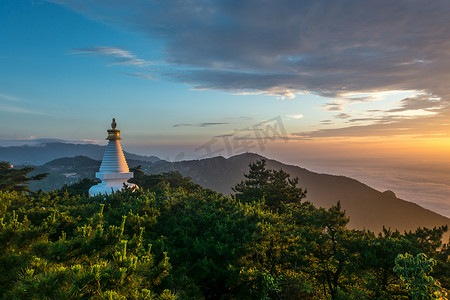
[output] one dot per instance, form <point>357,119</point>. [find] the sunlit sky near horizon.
<point>344,81</point>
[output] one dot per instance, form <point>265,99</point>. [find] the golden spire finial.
<point>113,134</point>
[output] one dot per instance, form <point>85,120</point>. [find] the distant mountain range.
<point>366,207</point>
<point>45,152</point>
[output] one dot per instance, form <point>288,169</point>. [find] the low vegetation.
<point>172,239</point>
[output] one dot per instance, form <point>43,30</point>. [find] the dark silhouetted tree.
<point>81,187</point>
<point>12,179</point>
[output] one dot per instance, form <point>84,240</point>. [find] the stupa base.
<point>103,188</point>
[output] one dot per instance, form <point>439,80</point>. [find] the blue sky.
<point>344,79</point>
<point>55,85</point>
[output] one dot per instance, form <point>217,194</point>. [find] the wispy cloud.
<point>420,102</point>
<point>13,104</point>
<point>32,140</point>
<point>343,116</point>
<point>297,116</point>
<point>246,118</point>
<point>17,109</point>
<point>108,51</point>
<point>200,124</point>
<point>141,75</point>
<point>336,105</point>
<point>120,56</point>
<point>346,99</point>
<point>11,98</point>
<point>387,125</point>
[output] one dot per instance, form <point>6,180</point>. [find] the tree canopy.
<point>179,241</point>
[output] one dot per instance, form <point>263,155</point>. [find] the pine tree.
<point>276,188</point>
<point>12,179</point>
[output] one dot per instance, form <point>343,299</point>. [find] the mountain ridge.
<point>367,207</point>
<point>45,152</point>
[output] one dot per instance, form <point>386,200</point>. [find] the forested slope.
<point>366,207</point>
<point>173,239</point>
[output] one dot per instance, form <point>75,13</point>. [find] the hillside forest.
<point>173,239</point>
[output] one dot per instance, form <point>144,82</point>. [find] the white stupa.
<point>114,172</point>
